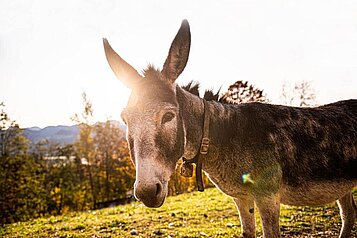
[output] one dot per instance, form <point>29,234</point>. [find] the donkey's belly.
<point>315,193</point>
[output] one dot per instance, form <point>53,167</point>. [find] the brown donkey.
<point>258,153</point>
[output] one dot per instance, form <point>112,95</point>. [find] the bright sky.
<point>51,51</point>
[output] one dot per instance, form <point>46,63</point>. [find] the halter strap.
<point>187,169</point>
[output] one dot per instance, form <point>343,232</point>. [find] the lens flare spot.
<point>246,178</point>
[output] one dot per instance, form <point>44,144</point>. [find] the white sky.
<point>51,51</point>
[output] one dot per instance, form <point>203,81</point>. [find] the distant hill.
<point>58,134</point>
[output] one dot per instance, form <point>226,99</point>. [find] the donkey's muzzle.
<point>150,194</point>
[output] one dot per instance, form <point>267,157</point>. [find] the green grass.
<point>207,214</point>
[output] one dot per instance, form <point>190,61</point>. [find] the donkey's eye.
<point>168,116</point>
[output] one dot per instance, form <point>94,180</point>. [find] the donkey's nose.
<point>149,194</point>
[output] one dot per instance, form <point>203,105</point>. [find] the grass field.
<point>207,214</point>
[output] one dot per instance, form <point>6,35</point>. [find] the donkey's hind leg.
<point>245,205</point>
<point>348,212</point>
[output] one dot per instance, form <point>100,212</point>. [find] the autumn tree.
<point>242,92</point>
<point>117,173</point>
<point>64,181</point>
<point>84,146</point>
<point>103,148</point>
<point>21,191</point>
<point>11,140</point>
<point>72,182</point>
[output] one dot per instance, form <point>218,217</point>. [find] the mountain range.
<point>58,134</point>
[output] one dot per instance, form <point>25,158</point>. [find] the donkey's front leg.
<point>348,213</point>
<point>245,205</point>
<point>269,210</point>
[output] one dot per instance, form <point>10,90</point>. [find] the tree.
<point>109,169</point>
<point>302,94</point>
<point>84,145</point>
<point>63,177</point>
<point>11,140</point>
<point>21,191</point>
<point>242,92</point>
<point>116,170</point>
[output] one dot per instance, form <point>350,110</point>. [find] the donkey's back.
<point>316,149</point>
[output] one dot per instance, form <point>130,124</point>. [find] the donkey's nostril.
<point>151,194</point>
<point>158,189</point>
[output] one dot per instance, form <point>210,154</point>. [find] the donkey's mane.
<point>152,73</point>
<point>193,87</point>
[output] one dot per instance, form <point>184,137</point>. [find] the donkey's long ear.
<point>178,54</point>
<point>124,71</point>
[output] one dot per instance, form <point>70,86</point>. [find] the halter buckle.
<point>204,146</point>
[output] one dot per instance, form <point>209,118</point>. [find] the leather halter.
<point>187,168</point>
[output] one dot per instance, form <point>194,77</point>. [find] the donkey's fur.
<point>259,154</point>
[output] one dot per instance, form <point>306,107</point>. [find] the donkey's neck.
<point>223,118</point>
<point>192,111</point>
<point>225,135</point>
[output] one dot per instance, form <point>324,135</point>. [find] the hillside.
<point>207,214</point>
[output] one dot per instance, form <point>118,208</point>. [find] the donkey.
<point>259,154</point>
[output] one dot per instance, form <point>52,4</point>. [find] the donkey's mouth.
<point>153,202</point>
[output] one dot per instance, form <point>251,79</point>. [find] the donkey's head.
<point>155,131</point>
